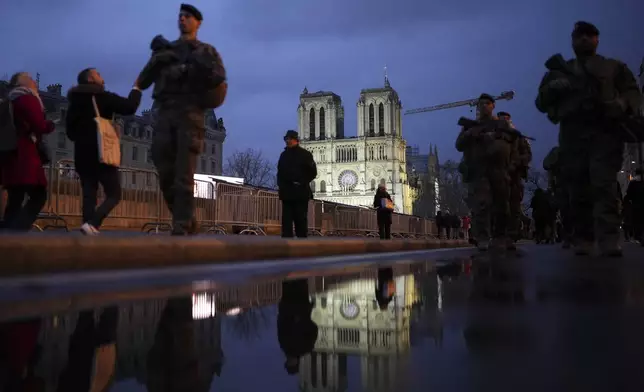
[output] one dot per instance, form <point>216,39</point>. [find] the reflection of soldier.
<point>173,361</point>
<point>487,152</point>
<point>296,332</point>
<point>588,96</point>
<point>189,78</point>
<point>523,157</point>
<point>552,165</point>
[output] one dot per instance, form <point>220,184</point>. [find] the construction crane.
<point>506,95</point>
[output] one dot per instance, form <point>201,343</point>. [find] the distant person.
<point>635,197</point>
<point>23,175</point>
<point>81,129</point>
<point>440,223</point>
<point>467,221</point>
<point>384,210</point>
<point>295,171</point>
<point>296,332</point>
<point>189,78</point>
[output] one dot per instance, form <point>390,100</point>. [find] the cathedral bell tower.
<point>379,111</point>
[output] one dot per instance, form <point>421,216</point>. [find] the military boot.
<point>583,248</point>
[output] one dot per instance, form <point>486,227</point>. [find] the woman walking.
<point>384,210</point>
<point>23,175</point>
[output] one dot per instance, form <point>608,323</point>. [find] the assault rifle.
<point>499,125</point>
<point>630,125</point>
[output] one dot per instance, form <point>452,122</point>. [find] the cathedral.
<point>351,167</point>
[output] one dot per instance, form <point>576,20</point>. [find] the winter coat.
<point>295,171</point>
<point>80,124</point>
<point>296,332</point>
<point>24,166</point>
<point>383,215</point>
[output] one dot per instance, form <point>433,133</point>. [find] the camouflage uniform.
<point>591,147</point>
<point>488,154</point>
<point>552,165</point>
<point>185,75</point>
<point>522,159</point>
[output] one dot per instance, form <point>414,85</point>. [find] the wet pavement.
<point>541,320</point>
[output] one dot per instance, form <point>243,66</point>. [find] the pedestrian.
<point>23,175</point>
<point>466,227</point>
<point>518,174</point>
<point>488,145</point>
<point>440,223</point>
<point>588,96</point>
<point>384,210</point>
<point>88,101</point>
<point>189,78</point>
<point>552,165</point>
<point>295,171</point>
<point>635,198</point>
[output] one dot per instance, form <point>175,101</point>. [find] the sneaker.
<point>88,229</point>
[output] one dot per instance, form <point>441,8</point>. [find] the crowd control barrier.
<point>220,208</point>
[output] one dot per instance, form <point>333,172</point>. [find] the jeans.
<point>21,215</point>
<point>108,177</point>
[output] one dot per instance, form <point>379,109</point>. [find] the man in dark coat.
<point>296,332</point>
<point>81,129</point>
<point>295,171</point>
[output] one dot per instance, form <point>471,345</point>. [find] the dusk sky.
<point>436,52</point>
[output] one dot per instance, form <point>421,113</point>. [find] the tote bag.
<point>109,145</point>
<point>386,204</point>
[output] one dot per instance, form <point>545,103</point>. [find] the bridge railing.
<point>220,208</point>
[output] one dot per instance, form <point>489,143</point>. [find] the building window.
<point>381,119</point>
<point>62,140</point>
<point>322,186</point>
<point>312,124</point>
<point>213,167</point>
<point>148,133</point>
<point>149,155</point>
<point>322,124</point>
<point>126,129</point>
<point>213,149</point>
<point>203,165</point>
<point>148,179</point>
<point>313,186</point>
<point>373,184</point>
<point>133,178</point>
<point>372,131</point>
<point>135,153</point>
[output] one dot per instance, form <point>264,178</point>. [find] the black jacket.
<point>383,215</point>
<point>296,332</point>
<point>80,124</point>
<point>295,171</point>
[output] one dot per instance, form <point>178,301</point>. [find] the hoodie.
<point>80,124</point>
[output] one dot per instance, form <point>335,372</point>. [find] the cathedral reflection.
<point>367,318</point>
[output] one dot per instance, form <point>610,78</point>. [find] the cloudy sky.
<point>435,51</point>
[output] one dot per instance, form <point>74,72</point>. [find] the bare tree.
<point>535,179</point>
<point>453,192</point>
<point>251,165</point>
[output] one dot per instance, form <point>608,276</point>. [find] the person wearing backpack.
<point>87,101</point>
<point>23,127</point>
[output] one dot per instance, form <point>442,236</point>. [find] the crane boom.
<point>506,95</point>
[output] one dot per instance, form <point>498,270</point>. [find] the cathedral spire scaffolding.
<point>387,84</point>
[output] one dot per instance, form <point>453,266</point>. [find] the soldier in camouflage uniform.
<point>189,78</point>
<point>588,96</point>
<point>552,165</point>
<point>488,153</point>
<point>523,157</point>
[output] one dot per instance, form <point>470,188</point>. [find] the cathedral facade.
<point>351,167</point>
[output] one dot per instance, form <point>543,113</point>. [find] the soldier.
<point>189,78</point>
<point>588,96</point>
<point>487,147</point>
<point>519,172</point>
<point>552,165</point>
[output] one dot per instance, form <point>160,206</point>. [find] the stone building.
<point>351,324</point>
<point>136,132</point>
<point>351,167</point>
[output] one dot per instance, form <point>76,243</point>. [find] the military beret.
<point>586,28</point>
<point>488,97</point>
<point>192,10</point>
<point>503,114</point>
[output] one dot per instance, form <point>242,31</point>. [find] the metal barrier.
<point>220,208</point>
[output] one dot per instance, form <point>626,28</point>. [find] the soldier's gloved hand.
<point>615,108</point>
<point>559,84</point>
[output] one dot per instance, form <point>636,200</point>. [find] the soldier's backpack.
<point>8,131</point>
